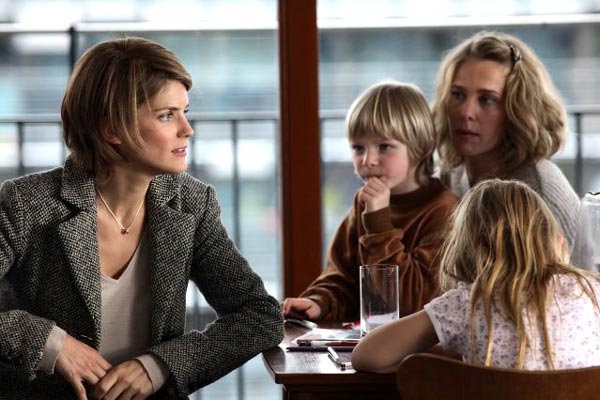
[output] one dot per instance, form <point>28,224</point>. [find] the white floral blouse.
<point>573,321</point>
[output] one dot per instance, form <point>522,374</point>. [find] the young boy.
<point>401,214</point>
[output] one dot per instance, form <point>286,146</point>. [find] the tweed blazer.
<point>49,258</point>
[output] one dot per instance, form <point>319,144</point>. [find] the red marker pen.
<point>333,356</point>
<point>351,324</point>
<point>340,343</point>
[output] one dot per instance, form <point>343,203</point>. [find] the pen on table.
<point>337,343</point>
<point>340,343</point>
<point>318,348</point>
<point>333,356</point>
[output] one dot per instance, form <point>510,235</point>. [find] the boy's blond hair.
<point>505,242</point>
<point>536,118</point>
<point>399,111</point>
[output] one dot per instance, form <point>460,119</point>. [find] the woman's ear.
<point>110,137</point>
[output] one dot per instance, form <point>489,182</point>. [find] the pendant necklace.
<point>124,229</point>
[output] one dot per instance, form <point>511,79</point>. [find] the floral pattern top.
<point>573,322</point>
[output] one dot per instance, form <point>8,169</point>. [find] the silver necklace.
<point>124,229</point>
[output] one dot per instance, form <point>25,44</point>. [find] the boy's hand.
<point>301,308</point>
<point>375,194</point>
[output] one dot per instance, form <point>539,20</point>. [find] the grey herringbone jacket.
<point>49,257</point>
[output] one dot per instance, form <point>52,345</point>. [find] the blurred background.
<point>230,47</point>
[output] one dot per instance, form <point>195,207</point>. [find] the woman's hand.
<point>301,308</point>
<point>375,194</point>
<point>78,362</point>
<point>126,381</point>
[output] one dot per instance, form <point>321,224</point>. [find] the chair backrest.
<point>428,377</point>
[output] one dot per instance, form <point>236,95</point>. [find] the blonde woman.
<point>400,215</point>
<point>510,300</point>
<point>498,114</point>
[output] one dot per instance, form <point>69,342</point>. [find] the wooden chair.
<point>432,377</point>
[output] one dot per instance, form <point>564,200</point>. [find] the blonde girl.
<point>510,299</point>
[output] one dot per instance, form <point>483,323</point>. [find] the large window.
<point>234,109</point>
<point>231,49</point>
<point>393,40</point>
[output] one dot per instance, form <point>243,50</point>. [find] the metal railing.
<point>577,112</point>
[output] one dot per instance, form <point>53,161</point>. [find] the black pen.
<point>333,356</point>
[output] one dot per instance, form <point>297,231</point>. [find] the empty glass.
<point>378,296</point>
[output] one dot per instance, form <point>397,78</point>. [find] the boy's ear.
<point>110,137</point>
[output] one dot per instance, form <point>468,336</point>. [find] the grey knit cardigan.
<point>49,258</point>
<point>545,178</point>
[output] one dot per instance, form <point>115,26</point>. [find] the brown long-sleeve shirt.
<point>408,233</point>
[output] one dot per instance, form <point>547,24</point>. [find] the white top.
<point>573,322</point>
<point>126,308</point>
<point>126,321</point>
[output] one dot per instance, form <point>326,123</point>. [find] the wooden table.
<point>312,375</point>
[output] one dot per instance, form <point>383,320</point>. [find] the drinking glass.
<point>586,248</point>
<point>378,296</point>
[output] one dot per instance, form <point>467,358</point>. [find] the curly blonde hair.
<point>506,244</point>
<point>536,119</point>
<point>399,111</point>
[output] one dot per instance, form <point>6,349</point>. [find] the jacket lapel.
<point>171,238</point>
<point>78,236</point>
